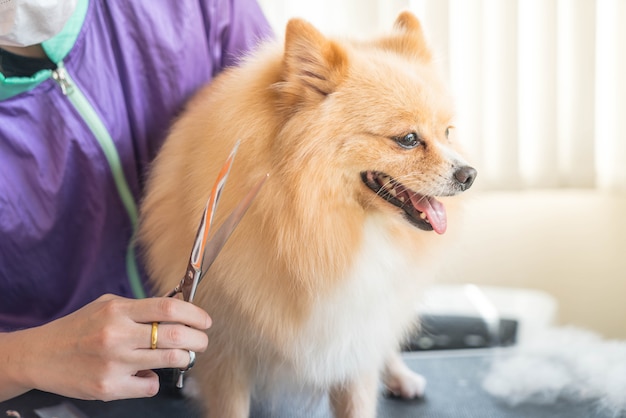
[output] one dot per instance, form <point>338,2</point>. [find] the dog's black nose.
<point>465,176</point>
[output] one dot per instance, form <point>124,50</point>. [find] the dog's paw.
<point>400,381</point>
<point>405,383</point>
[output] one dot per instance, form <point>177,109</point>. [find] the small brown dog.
<point>318,284</point>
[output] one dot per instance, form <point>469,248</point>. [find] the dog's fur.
<point>319,283</point>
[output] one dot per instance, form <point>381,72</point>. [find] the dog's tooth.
<point>423,215</point>
<point>401,198</point>
<point>393,192</point>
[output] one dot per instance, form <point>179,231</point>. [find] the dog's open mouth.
<point>425,212</point>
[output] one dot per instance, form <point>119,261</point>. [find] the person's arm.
<point>102,351</point>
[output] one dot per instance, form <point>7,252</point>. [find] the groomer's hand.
<point>102,351</point>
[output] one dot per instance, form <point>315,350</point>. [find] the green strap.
<point>98,129</point>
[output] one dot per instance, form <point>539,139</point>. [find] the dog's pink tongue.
<point>434,210</point>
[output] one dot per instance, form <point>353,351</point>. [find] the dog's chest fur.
<point>361,322</point>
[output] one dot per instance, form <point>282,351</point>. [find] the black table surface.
<point>454,390</point>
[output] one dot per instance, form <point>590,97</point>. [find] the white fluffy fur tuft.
<point>563,363</point>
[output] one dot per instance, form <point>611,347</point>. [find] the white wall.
<point>569,243</point>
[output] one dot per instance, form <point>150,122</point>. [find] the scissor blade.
<point>192,274</point>
<point>209,210</point>
<point>215,245</point>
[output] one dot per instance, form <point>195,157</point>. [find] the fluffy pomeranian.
<point>318,285</point>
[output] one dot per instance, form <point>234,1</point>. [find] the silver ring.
<point>192,359</point>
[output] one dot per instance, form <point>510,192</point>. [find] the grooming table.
<point>454,391</point>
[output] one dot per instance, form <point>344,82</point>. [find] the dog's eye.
<point>410,140</point>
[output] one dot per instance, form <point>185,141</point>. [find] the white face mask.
<point>30,22</point>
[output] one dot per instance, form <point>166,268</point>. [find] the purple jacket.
<point>75,144</point>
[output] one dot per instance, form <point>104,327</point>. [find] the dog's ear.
<point>313,66</point>
<point>409,38</point>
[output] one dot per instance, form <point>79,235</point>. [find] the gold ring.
<point>154,335</point>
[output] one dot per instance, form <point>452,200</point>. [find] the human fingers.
<point>163,359</point>
<point>170,335</point>
<point>163,309</point>
<point>143,384</point>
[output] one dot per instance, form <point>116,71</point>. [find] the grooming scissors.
<point>204,250</point>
